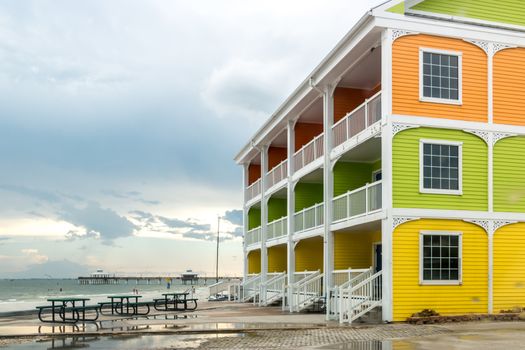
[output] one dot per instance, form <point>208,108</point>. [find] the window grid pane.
<point>440,76</point>
<point>441,167</point>
<point>440,257</point>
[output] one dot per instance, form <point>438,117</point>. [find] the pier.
<point>147,280</point>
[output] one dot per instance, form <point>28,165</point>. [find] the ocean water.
<point>26,294</point>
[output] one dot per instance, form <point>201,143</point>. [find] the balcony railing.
<point>358,120</point>
<point>309,218</point>
<point>277,174</point>
<point>253,190</point>
<point>309,152</point>
<point>277,228</point>
<point>361,201</point>
<point>253,236</point>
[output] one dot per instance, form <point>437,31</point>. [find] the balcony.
<point>367,114</point>
<point>253,236</point>
<point>309,152</point>
<point>277,229</point>
<point>253,190</point>
<point>277,174</point>
<point>309,218</point>
<point>359,202</point>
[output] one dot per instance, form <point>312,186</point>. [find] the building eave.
<point>318,75</point>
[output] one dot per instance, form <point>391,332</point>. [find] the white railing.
<point>361,201</point>
<point>248,289</point>
<point>253,190</point>
<point>366,114</point>
<point>306,291</point>
<point>354,298</point>
<point>309,152</point>
<point>299,276</point>
<point>223,286</point>
<point>273,289</point>
<point>277,228</point>
<point>277,174</point>
<point>309,218</point>
<point>342,277</point>
<point>253,236</point>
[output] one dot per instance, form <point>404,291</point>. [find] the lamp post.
<point>217,262</point>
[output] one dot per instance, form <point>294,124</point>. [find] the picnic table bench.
<point>171,302</point>
<point>60,309</point>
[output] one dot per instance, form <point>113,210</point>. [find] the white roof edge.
<point>302,89</point>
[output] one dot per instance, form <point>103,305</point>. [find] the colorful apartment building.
<point>393,177</point>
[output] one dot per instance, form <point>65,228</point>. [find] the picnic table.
<point>61,306</point>
<point>123,302</point>
<point>171,301</point>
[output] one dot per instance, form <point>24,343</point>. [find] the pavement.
<point>225,325</point>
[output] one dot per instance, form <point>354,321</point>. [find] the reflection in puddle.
<point>128,342</point>
<point>360,345</point>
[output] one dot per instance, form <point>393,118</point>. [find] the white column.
<point>491,267</point>
<point>328,187</point>
<point>290,206</point>
<point>386,165</point>
<point>264,213</point>
<point>245,220</point>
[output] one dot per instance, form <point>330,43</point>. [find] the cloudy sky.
<point>119,120</point>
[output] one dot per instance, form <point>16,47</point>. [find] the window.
<point>440,167</point>
<point>440,257</point>
<point>377,175</point>
<point>440,76</point>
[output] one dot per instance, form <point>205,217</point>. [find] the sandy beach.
<point>227,325</point>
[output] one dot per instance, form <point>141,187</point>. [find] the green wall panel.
<point>351,175</point>
<point>307,194</point>
<point>509,175</point>
<point>406,171</point>
<point>399,8</point>
<point>254,218</point>
<point>276,208</point>
<point>502,11</point>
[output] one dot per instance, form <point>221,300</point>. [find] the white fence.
<point>341,277</point>
<point>277,228</point>
<point>309,218</point>
<point>248,289</point>
<point>273,289</point>
<point>277,174</point>
<point>356,297</point>
<point>364,200</point>
<point>309,152</point>
<point>253,190</point>
<point>223,286</point>
<point>366,114</point>
<point>306,291</point>
<point>253,236</point>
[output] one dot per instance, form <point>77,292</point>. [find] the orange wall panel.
<point>347,99</point>
<point>305,132</point>
<point>405,79</point>
<point>509,90</point>
<point>275,156</point>
<point>254,173</point>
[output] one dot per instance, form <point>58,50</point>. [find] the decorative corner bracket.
<point>484,224</point>
<point>497,224</point>
<point>399,220</point>
<point>500,136</point>
<point>484,135</point>
<point>398,33</point>
<point>397,127</point>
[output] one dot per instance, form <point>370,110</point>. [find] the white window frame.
<point>459,55</point>
<point>422,188</point>
<point>457,282</point>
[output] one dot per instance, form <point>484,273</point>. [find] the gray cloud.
<point>234,216</point>
<point>30,192</point>
<point>106,222</point>
<point>130,195</point>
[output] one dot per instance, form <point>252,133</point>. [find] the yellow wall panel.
<point>405,79</point>
<point>254,261</point>
<point>309,255</point>
<point>277,258</point>
<point>509,267</point>
<point>354,249</point>
<point>410,297</point>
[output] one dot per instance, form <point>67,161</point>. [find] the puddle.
<point>360,345</point>
<point>128,342</point>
